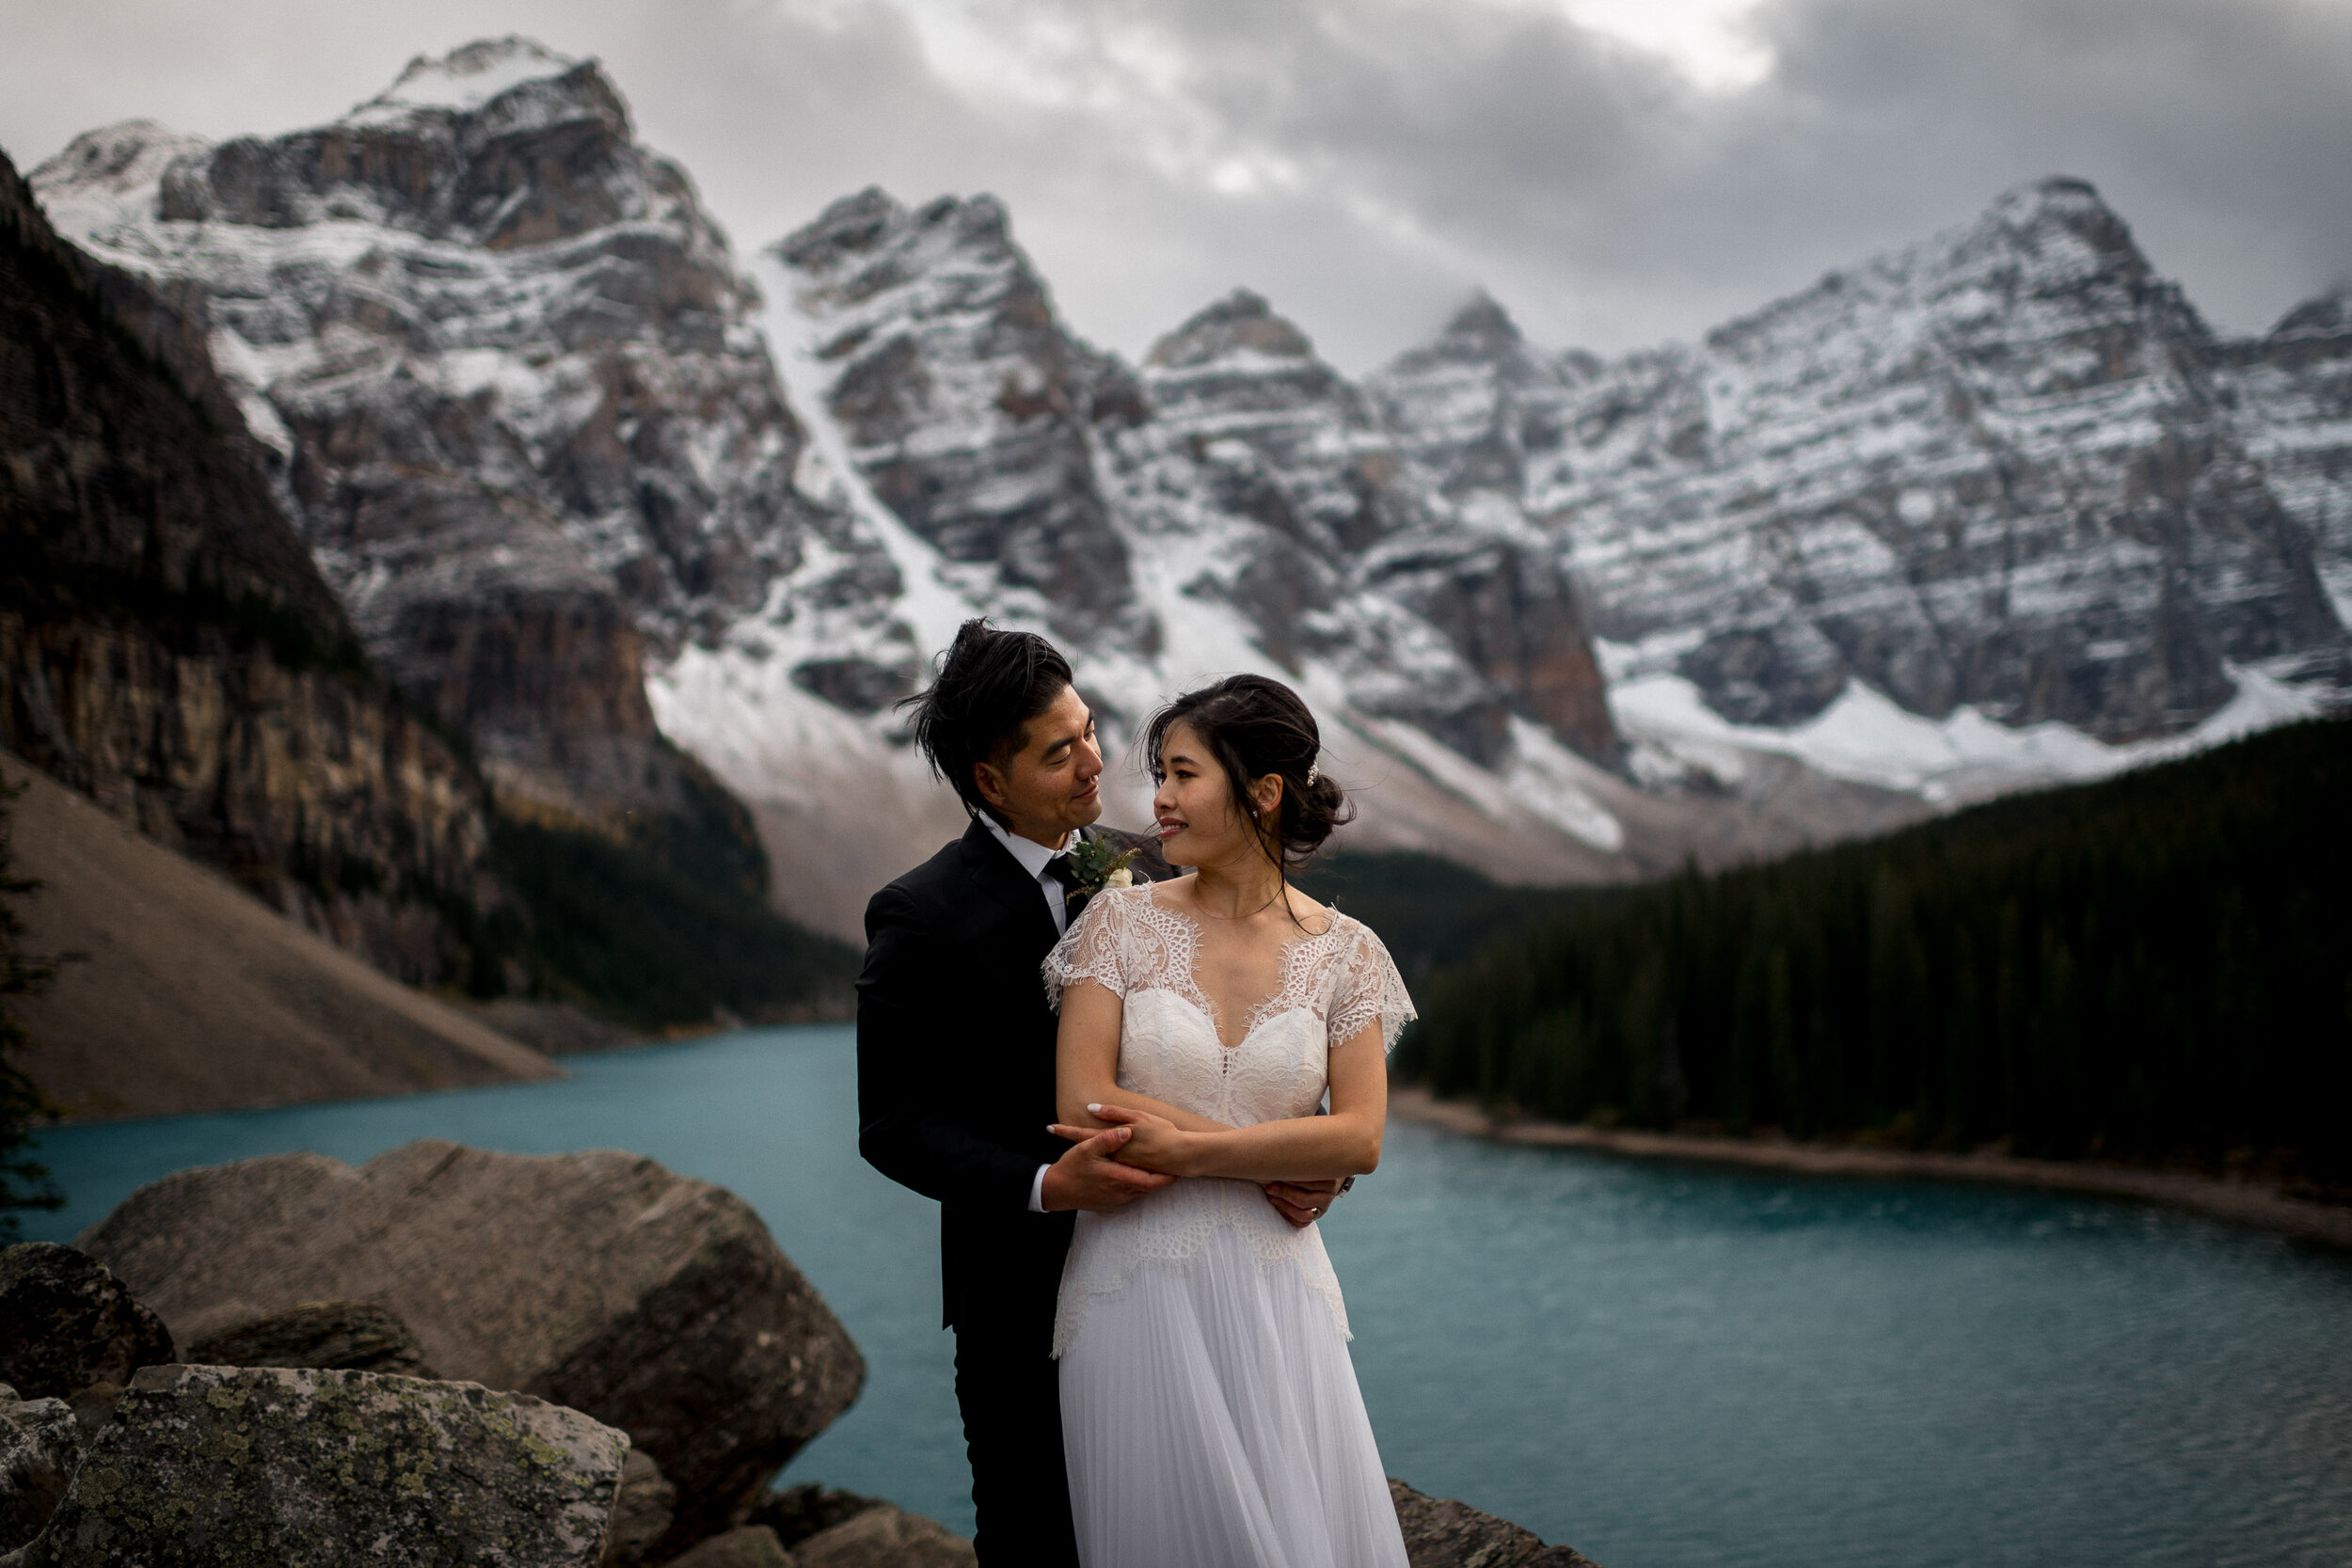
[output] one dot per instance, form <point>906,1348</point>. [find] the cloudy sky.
<point>1618,172</point>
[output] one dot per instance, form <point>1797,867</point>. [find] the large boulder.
<point>642,1515</point>
<point>327,1335</point>
<point>71,1323</point>
<point>796,1513</point>
<point>843,1530</point>
<point>1442,1533</point>
<point>41,1445</point>
<point>596,1281</point>
<point>885,1537</point>
<point>225,1467</point>
<point>745,1546</point>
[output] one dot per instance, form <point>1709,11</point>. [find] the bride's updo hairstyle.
<point>1255,727</point>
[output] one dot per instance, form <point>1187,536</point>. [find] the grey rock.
<point>886,1537</point>
<point>2292,397</point>
<point>217,1466</point>
<point>640,1516</point>
<point>597,1281</point>
<point>344,1336</point>
<point>1442,1533</point>
<point>40,1445</point>
<point>70,1323</point>
<point>744,1546</point>
<point>796,1513</point>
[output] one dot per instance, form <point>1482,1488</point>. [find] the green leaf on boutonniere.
<point>1099,865</point>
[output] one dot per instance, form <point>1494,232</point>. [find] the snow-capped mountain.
<point>508,370</point>
<point>1994,510</point>
<point>2294,395</point>
<point>1992,472</point>
<point>1232,504</point>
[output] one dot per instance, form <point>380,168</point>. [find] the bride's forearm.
<point>1302,1149</point>
<point>1076,1115</point>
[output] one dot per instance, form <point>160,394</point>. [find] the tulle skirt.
<point>1211,1420</point>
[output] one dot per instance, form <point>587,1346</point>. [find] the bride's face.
<point>1198,823</point>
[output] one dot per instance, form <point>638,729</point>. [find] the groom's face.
<point>1051,785</point>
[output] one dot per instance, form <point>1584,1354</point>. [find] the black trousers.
<point>1008,1383</point>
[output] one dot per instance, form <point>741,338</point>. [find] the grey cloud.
<point>1439,143</point>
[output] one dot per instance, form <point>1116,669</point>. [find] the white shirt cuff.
<point>1037,1191</point>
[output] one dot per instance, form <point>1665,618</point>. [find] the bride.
<point>1210,1411</point>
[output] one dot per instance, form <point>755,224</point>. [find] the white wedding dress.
<point>1210,1411</point>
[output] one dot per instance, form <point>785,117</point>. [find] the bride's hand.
<point>1154,1143</point>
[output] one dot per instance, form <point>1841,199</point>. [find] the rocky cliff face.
<point>1338,547</point>
<point>503,363</point>
<point>166,645</point>
<point>2293,397</point>
<point>1992,471</point>
<point>967,409</point>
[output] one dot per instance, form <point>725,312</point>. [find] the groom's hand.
<point>1089,1175</point>
<point>1302,1203</point>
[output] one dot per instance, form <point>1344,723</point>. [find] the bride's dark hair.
<point>1255,727</point>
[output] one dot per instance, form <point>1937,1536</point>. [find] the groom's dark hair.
<point>990,685</point>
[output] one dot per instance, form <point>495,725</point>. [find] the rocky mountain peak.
<point>2329,317</point>
<point>851,225</point>
<point>471,76</point>
<point>118,157</point>
<point>2064,210</point>
<point>1481,328</point>
<point>1242,321</point>
<point>2291,393</point>
<point>964,404</point>
<point>864,245</point>
<point>501,143</point>
<point>1472,402</point>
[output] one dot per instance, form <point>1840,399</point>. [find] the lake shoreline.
<point>2237,1202</point>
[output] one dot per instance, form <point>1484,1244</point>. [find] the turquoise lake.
<point>1665,1366</point>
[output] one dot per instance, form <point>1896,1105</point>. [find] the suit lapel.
<point>995,871</point>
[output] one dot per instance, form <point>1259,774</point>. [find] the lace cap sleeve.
<point>1089,950</point>
<point>1370,989</point>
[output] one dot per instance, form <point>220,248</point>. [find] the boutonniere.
<point>1099,865</point>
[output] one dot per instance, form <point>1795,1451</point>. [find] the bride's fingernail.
<point>1094,1110</point>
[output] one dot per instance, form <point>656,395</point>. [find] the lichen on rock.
<point>233,1467</point>
<point>596,1281</point>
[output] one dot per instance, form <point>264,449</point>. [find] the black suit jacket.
<point>955,1069</point>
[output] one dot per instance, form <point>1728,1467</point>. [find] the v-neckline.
<point>1258,1016</point>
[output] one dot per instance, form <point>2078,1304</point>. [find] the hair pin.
<point>1315,771</point>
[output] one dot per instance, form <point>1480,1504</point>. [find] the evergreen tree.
<point>2157,967</point>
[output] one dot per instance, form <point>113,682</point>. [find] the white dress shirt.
<point>1034,858</point>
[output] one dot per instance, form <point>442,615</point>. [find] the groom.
<point>955,1060</point>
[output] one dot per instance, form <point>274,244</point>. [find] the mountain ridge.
<point>1990,509</point>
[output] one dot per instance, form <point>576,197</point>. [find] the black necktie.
<point>1064,869</point>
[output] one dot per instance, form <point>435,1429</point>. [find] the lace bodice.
<point>1334,984</point>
